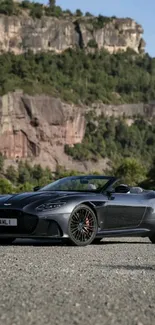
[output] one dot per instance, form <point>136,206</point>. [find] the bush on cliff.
<point>8,7</point>
<point>36,11</point>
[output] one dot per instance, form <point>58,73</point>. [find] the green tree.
<point>101,21</point>
<point>68,12</point>
<point>78,13</point>
<point>37,11</point>
<point>88,14</point>
<point>7,7</point>
<point>52,3</point>
<point>131,171</point>
<point>92,43</point>
<point>62,172</point>
<point>1,162</point>
<point>55,11</point>
<point>37,172</point>
<point>6,187</point>
<point>149,182</point>
<point>23,174</point>
<point>48,173</point>
<point>26,187</point>
<point>11,174</point>
<point>44,181</point>
<point>26,4</point>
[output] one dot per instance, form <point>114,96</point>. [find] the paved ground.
<point>113,283</point>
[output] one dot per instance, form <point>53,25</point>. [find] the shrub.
<point>92,43</point>
<point>36,11</point>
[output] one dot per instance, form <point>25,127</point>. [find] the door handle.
<point>112,197</point>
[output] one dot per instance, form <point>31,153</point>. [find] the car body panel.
<point>125,210</point>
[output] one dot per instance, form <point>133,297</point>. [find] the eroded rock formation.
<point>33,126</point>
<point>18,34</point>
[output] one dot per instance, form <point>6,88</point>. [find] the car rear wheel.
<point>82,226</point>
<point>6,241</point>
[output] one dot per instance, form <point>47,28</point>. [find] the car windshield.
<point>79,183</point>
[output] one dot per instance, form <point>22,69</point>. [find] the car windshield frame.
<point>110,181</point>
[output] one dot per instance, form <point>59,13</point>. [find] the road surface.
<point>49,284</point>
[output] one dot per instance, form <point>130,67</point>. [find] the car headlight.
<point>50,206</point>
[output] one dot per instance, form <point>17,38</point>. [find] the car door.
<point>123,211</point>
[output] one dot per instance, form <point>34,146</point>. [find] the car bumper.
<point>34,226</point>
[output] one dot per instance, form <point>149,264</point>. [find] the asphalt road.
<point>111,283</point>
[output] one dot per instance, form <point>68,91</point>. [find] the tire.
<point>97,241</point>
<point>82,226</point>
<point>152,238</point>
<point>6,241</point>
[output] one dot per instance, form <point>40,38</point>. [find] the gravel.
<point>112,283</point>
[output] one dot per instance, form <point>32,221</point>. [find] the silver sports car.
<point>79,209</point>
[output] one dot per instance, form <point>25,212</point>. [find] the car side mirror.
<point>122,189</point>
<point>36,188</point>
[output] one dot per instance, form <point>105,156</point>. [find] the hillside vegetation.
<point>108,137</point>
<point>76,76</point>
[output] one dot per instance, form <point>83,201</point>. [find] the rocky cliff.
<point>20,33</point>
<point>37,128</point>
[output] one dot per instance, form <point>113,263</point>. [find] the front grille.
<point>26,223</point>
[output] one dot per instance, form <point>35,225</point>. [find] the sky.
<point>140,10</point>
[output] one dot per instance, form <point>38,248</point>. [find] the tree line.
<point>78,77</point>
<point>36,9</point>
<point>24,177</point>
<point>115,139</point>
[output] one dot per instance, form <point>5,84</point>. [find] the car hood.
<point>23,199</point>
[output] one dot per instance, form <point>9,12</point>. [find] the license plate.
<point>8,222</point>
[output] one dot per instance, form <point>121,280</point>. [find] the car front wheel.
<point>82,226</point>
<point>152,238</point>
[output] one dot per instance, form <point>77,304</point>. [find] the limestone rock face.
<point>18,34</point>
<point>37,128</point>
<point>119,34</point>
<point>33,126</point>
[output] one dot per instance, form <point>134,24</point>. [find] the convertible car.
<point>80,210</point>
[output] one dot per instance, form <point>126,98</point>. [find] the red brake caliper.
<point>87,222</point>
